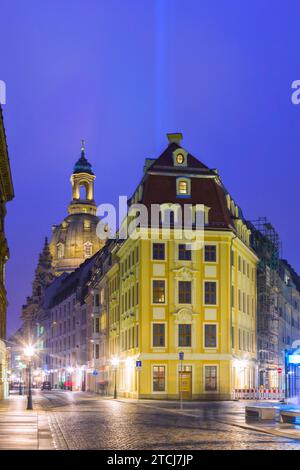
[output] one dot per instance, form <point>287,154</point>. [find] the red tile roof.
<point>159,186</point>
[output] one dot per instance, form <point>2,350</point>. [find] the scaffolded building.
<point>278,301</point>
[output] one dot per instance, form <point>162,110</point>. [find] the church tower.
<point>44,275</point>
<point>75,239</point>
<point>82,181</point>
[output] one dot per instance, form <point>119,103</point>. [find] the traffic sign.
<point>138,364</point>
<point>95,372</point>
<point>181,355</point>
<point>279,370</point>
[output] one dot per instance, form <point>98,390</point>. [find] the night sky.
<point>123,73</point>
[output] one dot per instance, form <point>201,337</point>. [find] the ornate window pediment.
<point>184,273</point>
<point>184,315</point>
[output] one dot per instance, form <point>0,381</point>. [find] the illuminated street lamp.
<point>29,352</point>
<point>115,363</point>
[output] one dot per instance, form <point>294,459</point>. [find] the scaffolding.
<point>267,245</point>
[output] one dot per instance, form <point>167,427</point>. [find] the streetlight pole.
<point>29,397</point>
<point>115,390</point>
<point>20,383</point>
<point>29,352</point>
<point>115,362</point>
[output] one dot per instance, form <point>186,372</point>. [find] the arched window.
<point>60,250</point>
<point>88,249</point>
<point>183,187</point>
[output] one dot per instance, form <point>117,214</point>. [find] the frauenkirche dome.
<point>75,239</point>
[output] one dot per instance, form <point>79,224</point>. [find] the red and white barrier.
<point>258,394</point>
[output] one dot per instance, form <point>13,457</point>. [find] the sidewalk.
<point>21,429</point>
<point>232,414</point>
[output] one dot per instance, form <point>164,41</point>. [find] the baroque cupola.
<point>75,239</point>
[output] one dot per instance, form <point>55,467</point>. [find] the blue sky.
<point>123,73</point>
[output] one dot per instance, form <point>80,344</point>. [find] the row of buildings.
<point>151,316</point>
<point>6,194</point>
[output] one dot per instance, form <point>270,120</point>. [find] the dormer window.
<point>183,187</point>
<point>180,157</point>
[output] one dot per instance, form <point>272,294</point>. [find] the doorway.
<point>185,381</point>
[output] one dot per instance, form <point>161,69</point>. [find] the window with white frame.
<point>185,335</point>
<point>159,378</point>
<point>184,292</point>
<point>183,187</point>
<point>210,293</point>
<point>158,335</point>
<point>158,291</point>
<point>210,378</point>
<point>210,335</point>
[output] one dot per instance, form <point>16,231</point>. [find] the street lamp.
<point>115,362</point>
<point>29,352</point>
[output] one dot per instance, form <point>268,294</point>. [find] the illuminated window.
<point>60,250</point>
<point>210,378</point>
<point>87,248</point>
<point>158,291</point>
<point>179,158</point>
<point>183,187</point>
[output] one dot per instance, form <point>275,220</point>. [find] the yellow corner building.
<point>166,301</point>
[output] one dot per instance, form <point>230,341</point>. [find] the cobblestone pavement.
<point>86,421</point>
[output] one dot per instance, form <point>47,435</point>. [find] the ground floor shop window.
<point>210,375</point>
<point>159,378</point>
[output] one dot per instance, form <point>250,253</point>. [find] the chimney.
<point>175,138</point>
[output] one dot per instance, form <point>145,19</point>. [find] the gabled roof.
<point>166,159</point>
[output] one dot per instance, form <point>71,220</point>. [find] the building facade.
<point>6,195</point>
<point>160,298</point>
<point>64,319</point>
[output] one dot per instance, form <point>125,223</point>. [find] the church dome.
<point>75,239</point>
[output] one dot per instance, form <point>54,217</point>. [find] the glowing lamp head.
<point>29,351</point>
<point>115,361</point>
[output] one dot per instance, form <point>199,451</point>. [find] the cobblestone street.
<point>85,421</point>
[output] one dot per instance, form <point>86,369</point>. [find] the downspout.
<point>230,287</point>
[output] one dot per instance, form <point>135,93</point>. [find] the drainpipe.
<point>231,297</point>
